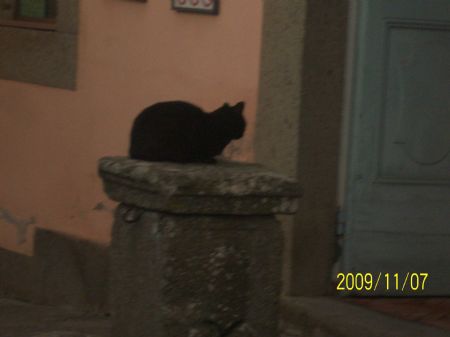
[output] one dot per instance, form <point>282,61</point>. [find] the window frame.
<point>41,51</point>
<point>29,23</point>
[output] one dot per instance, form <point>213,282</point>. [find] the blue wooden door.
<point>397,202</point>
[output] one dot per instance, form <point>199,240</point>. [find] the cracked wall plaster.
<point>21,225</point>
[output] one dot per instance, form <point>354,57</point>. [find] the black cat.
<point>182,132</point>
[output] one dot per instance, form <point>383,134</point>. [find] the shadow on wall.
<point>63,271</point>
<point>21,225</point>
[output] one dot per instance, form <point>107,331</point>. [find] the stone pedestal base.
<point>194,275</point>
<point>196,249</point>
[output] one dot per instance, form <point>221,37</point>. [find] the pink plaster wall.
<point>131,55</point>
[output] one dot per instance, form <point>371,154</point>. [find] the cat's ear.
<point>239,107</point>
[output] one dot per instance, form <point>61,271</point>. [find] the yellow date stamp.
<point>407,282</point>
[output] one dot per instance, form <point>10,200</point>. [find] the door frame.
<point>298,128</point>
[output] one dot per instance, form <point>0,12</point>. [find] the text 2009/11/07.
<point>382,281</point>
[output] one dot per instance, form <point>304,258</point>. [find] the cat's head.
<point>233,119</point>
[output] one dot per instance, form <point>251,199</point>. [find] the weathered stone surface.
<point>196,249</point>
<point>195,275</point>
<point>224,188</point>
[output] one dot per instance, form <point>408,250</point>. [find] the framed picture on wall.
<point>196,6</point>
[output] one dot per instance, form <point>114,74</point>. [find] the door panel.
<point>392,257</point>
<point>416,120</point>
<point>398,181</point>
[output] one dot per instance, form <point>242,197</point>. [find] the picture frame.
<point>210,7</point>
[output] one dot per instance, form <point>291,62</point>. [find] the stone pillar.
<point>196,249</point>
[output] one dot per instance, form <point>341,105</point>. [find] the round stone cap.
<point>223,188</point>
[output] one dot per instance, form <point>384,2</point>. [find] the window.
<point>36,9</point>
<point>34,14</point>
<point>38,40</point>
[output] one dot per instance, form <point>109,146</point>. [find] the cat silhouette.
<point>178,131</point>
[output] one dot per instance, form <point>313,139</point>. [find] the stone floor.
<point>430,311</point>
<point>384,317</point>
<point>19,319</point>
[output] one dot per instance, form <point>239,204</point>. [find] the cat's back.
<point>182,132</point>
<point>171,111</point>
<point>166,131</point>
